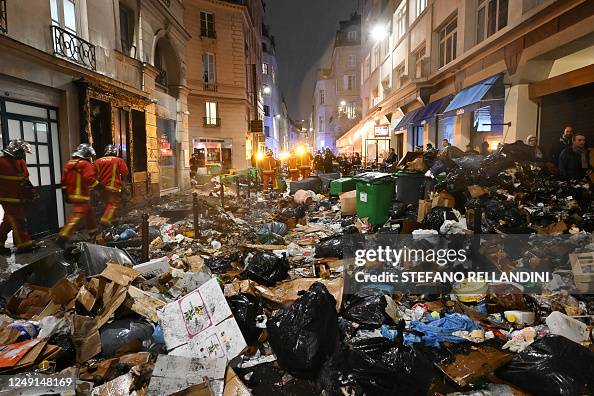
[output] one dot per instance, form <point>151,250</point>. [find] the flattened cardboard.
<point>120,274</point>
<point>29,301</point>
<point>153,268</point>
<point>286,293</point>
<point>234,386</point>
<point>63,292</point>
<point>113,298</point>
<point>143,303</point>
<point>85,337</point>
<point>11,355</point>
<point>8,335</point>
<point>467,368</point>
<point>174,374</point>
<point>202,322</point>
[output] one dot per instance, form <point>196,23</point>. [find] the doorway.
<point>38,125</point>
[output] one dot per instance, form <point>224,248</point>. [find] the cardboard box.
<point>443,200</point>
<point>348,203</point>
<point>201,325</point>
<point>477,191</point>
<point>425,206</point>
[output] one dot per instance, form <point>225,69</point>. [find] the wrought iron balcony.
<point>211,122</point>
<point>162,78</point>
<point>69,46</point>
<point>167,2</point>
<point>3,19</point>
<point>208,86</point>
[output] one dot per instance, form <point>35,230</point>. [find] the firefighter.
<point>305,164</point>
<point>293,165</point>
<point>268,166</point>
<point>110,171</point>
<point>79,177</point>
<point>14,182</point>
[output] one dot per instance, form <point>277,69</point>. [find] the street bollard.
<point>145,237</point>
<point>237,187</point>
<point>196,215</point>
<point>222,195</point>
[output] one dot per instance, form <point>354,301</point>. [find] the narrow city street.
<point>249,197</point>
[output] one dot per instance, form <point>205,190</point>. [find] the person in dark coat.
<point>573,160</point>
<point>328,161</point>
<point>564,142</point>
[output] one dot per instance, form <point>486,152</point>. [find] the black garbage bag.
<point>124,334</point>
<point>218,264</point>
<point>305,334</point>
<point>246,308</point>
<point>519,151</point>
<point>437,216</point>
<point>275,228</point>
<point>330,247</point>
<point>553,365</point>
<point>66,357</point>
<point>377,366</point>
<point>367,307</point>
<point>442,165</point>
<point>267,268</point>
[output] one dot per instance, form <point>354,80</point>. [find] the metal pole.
<point>145,237</point>
<point>196,215</point>
<point>222,194</point>
<point>237,185</point>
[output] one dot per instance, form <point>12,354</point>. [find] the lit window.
<point>265,68</point>
<point>351,110</point>
<point>267,111</point>
<point>322,96</point>
<point>211,114</point>
<point>448,39</point>
<point>352,35</point>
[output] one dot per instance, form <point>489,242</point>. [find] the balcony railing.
<point>167,2</point>
<point>208,33</point>
<point>69,46</point>
<point>162,78</point>
<point>208,86</point>
<point>3,19</point>
<point>211,122</point>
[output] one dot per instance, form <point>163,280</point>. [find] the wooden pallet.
<point>582,266</point>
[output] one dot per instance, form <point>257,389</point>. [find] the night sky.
<point>304,31</point>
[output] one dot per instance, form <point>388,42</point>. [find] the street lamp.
<point>311,129</point>
<point>343,103</point>
<point>278,116</point>
<point>266,90</point>
<point>379,32</point>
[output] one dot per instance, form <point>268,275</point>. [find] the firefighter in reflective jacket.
<point>293,165</point>
<point>13,178</point>
<point>78,179</point>
<point>110,170</point>
<point>305,164</point>
<point>268,166</point>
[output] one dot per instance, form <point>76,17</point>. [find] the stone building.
<point>102,72</point>
<point>224,58</point>
<point>474,71</point>
<point>336,99</point>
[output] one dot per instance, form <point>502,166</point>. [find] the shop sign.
<point>382,130</point>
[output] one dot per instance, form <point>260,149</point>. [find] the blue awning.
<point>407,119</point>
<point>431,110</point>
<point>471,97</point>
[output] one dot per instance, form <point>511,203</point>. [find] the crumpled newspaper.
<point>521,339</point>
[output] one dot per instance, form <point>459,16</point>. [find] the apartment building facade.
<point>276,120</point>
<point>336,100</point>
<point>473,71</point>
<point>224,62</point>
<point>100,72</point>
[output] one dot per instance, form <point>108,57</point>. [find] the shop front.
<point>214,155</point>
<point>168,154</point>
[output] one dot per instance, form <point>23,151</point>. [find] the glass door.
<point>39,127</point>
